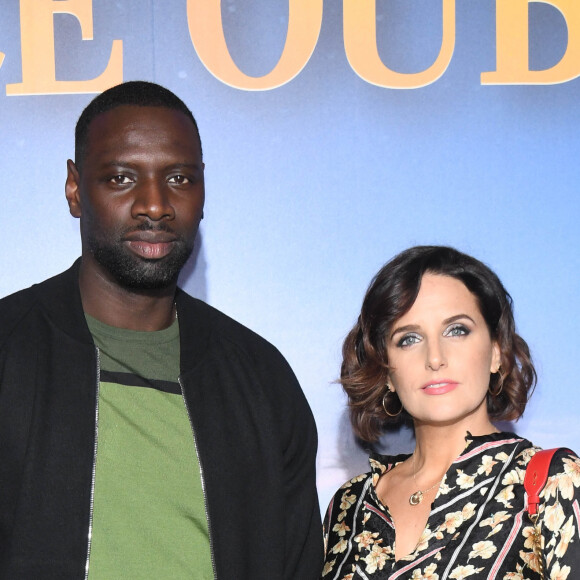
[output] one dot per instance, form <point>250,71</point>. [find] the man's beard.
<point>136,273</point>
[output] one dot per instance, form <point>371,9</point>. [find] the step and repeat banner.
<point>336,133</point>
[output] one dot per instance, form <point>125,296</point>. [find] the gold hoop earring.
<point>500,379</point>
<point>392,415</point>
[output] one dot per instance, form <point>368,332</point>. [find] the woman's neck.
<point>438,446</point>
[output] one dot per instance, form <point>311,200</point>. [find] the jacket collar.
<point>60,298</point>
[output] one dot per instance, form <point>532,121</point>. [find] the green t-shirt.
<point>149,518</point>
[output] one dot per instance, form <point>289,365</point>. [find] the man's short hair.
<point>133,93</point>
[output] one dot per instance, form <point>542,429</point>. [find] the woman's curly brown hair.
<point>391,294</point>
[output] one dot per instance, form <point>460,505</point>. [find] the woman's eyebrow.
<point>458,317</point>
<point>407,328</point>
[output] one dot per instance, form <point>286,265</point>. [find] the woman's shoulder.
<point>355,485</point>
<point>561,459</point>
<point>563,476</point>
<point>564,464</point>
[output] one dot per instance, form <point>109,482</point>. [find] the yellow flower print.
<point>512,477</point>
<point>427,574</point>
<point>495,520</point>
<point>566,532</point>
<point>423,542</point>
<point>348,577</point>
<point>464,481</point>
<point>347,501</point>
<point>444,489</point>
<point>468,510</point>
<point>346,485</point>
<point>517,575</point>
<point>341,528</point>
<point>558,573</point>
<point>377,465</point>
<point>366,517</point>
<point>554,516</point>
<point>502,456</point>
<point>505,496</point>
<point>365,539</point>
<point>550,489</point>
<point>531,560</point>
<point>462,572</point>
<point>452,522</point>
<point>340,547</point>
<point>376,559</point>
<point>527,454</point>
<point>572,468</point>
<point>566,486</point>
<point>328,567</point>
<point>487,464</point>
<point>528,533</point>
<point>483,550</point>
<point>494,531</point>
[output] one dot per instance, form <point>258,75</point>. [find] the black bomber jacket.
<point>253,427</point>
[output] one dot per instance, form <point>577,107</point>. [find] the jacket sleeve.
<point>560,517</point>
<point>303,522</point>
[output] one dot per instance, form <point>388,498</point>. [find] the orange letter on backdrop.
<point>37,41</point>
<point>360,43</point>
<point>207,35</point>
<point>512,46</point>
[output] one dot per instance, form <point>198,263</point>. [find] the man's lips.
<point>150,245</point>
<point>439,387</point>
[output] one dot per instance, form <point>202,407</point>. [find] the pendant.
<point>416,498</point>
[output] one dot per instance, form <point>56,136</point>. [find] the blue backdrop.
<point>314,184</point>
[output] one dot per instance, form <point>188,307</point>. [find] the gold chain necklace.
<point>417,497</point>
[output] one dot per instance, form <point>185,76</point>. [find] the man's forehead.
<point>138,115</point>
<point>125,120</point>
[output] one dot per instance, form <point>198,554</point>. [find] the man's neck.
<point>145,310</point>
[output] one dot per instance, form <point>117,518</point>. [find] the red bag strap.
<point>536,476</point>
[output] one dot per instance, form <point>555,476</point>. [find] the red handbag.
<point>534,482</point>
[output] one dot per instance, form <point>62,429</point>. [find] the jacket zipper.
<point>211,548</point>
<point>91,508</point>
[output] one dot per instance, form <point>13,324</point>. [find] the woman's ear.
<point>495,358</point>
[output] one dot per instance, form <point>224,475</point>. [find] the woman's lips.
<point>439,387</point>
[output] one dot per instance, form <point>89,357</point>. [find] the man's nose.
<point>152,200</point>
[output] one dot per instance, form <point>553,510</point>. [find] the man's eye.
<point>179,179</point>
<point>408,340</point>
<point>121,179</point>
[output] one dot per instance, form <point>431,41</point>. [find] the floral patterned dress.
<point>477,528</point>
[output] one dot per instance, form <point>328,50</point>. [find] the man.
<point>143,434</point>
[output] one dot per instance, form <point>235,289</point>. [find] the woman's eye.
<point>457,330</point>
<point>408,340</point>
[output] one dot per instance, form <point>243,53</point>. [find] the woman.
<point>435,343</point>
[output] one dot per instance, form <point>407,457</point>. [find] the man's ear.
<point>72,189</point>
